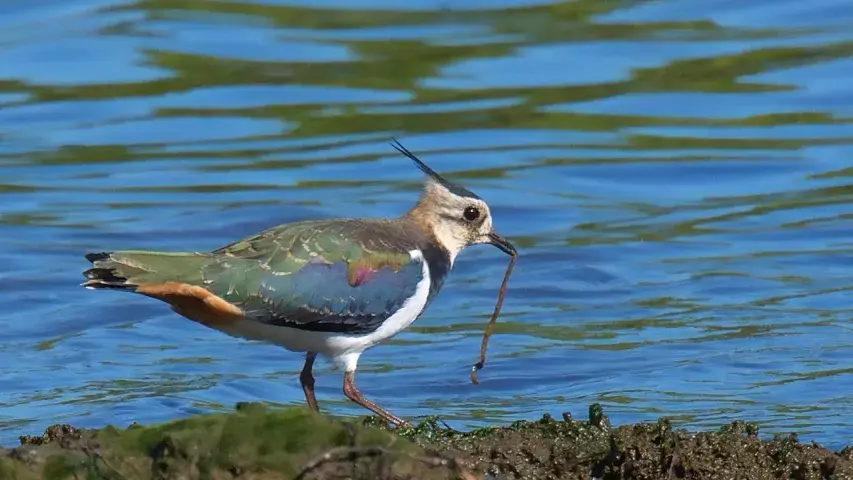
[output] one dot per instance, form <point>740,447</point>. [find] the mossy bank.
<point>256,442</point>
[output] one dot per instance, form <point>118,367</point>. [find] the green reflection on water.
<point>399,68</point>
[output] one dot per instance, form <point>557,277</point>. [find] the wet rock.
<point>256,442</point>
<point>54,433</point>
<point>592,449</point>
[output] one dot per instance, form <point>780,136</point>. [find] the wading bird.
<point>333,287</point>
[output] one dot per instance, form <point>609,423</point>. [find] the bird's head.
<point>455,216</point>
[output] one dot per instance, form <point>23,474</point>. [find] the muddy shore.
<point>256,442</point>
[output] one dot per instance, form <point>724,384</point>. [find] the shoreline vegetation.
<point>258,442</point>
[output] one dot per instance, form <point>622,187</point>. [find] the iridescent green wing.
<point>335,276</point>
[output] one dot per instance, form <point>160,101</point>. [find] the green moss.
<point>263,443</point>
<point>60,466</point>
<point>254,441</point>
<point>12,470</point>
<point>254,437</point>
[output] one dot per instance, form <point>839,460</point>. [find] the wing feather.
<point>318,276</point>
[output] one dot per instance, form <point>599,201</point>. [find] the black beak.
<point>502,244</point>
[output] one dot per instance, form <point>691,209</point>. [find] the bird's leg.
<point>351,391</point>
<point>306,378</point>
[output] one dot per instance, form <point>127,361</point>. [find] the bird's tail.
<point>129,269</point>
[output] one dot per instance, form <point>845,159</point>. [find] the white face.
<point>457,221</point>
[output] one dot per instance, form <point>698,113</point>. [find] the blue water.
<point>677,176</point>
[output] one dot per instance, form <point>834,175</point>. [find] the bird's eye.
<point>471,213</point>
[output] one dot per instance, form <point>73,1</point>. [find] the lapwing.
<point>333,287</point>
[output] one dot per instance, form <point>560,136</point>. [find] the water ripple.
<point>676,176</point>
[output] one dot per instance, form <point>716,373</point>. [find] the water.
<point>677,175</point>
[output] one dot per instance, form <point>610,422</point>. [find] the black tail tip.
<point>94,257</point>
<point>106,275</point>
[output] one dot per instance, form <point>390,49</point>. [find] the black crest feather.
<point>454,188</point>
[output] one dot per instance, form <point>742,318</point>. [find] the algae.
<point>257,442</point>
<point>252,442</point>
